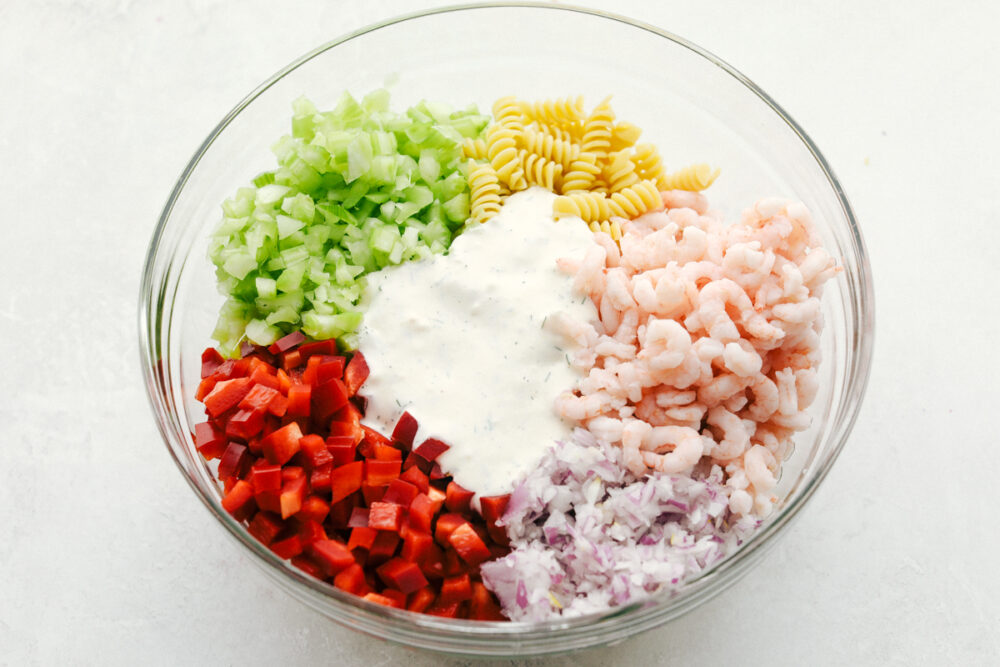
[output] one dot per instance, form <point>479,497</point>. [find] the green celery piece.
<point>261,333</point>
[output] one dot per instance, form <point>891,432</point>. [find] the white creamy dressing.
<point>458,341</point>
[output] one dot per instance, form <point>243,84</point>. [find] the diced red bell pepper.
<point>327,346</point>
<point>340,512</point>
<point>383,547</point>
<point>291,359</point>
<point>378,473</point>
<point>443,610</point>
<point>382,599</point>
<point>286,343</point>
<point>422,513</point>
<point>402,574</point>
<point>405,430</point>
<point>356,373</point>
<point>400,492</point>
<point>457,498</point>
<point>210,440</point>
<point>362,536</point>
<point>310,531</point>
<point>239,500</point>
<point>437,497</point>
<point>431,448</point>
<point>319,478</point>
<point>235,461</point>
<point>265,527</point>
<point>245,424</point>
<point>331,556</point>
<point>282,445</point>
<point>456,589</point>
<point>351,579</point>
<point>347,422</point>
<point>436,472</point>
<point>417,546</point>
<point>446,524</point>
<point>313,448</point>
<point>265,377</point>
<point>387,453</point>
<point>205,387</point>
<point>417,478</point>
<point>345,480</point>
<point>307,565</point>
<point>421,600</point>
<point>309,374</point>
<point>210,361</point>
<point>331,367</point>
<point>226,394</point>
<point>279,406</point>
<point>373,493</point>
<point>258,398</point>
<point>493,508</point>
<point>452,564</point>
<point>327,398</point>
<point>468,545</point>
<point>398,597</point>
<point>299,400</point>
<point>483,605</point>
<point>359,518</point>
<point>385,516</point>
<point>288,547</point>
<point>284,381</point>
<point>265,476</point>
<point>414,460</point>
<point>314,508</point>
<point>342,448</point>
<point>293,493</point>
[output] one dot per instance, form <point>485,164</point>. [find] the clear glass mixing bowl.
<point>692,105</point>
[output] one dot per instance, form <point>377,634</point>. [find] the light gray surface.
<point>106,555</point>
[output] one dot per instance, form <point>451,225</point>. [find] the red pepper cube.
<point>417,546</point>
<point>446,525</point>
<point>468,545</point>
<point>310,531</point>
<point>245,424</point>
<point>431,448</point>
<point>385,516</point>
<point>347,422</point>
<point>265,527</point>
<point>291,359</point>
<point>293,493</point>
<point>382,599</point>
<point>433,563</point>
<point>269,501</point>
<point>226,395</point>
<point>283,444</point>
<point>383,547</point>
<point>205,387</point>
<point>493,508</point>
<point>264,376</point>
<point>416,477</point>
<point>284,381</point>
<point>307,565</point>
<point>421,600</point>
<point>313,447</point>
<point>457,498</point>
<point>309,374</point>
<point>331,367</point>
<point>351,579</point>
<point>362,537</point>
<point>402,575</point>
<point>345,480</point>
<point>453,565</point>
<point>279,406</point>
<point>405,430</point>
<point>356,373</point>
<point>483,606</point>
<point>239,500</point>
<point>258,398</point>
<point>414,460</point>
<point>314,508</point>
<point>288,547</point>
<point>398,597</point>
<point>210,440</point>
<point>400,492</point>
<point>387,453</point>
<point>320,478</point>
<point>436,472</point>
<point>422,513</point>
<point>378,473</point>
<point>327,398</point>
<point>299,400</point>
<point>327,346</point>
<point>235,461</point>
<point>265,476</point>
<point>456,589</point>
<point>331,556</point>
<point>359,518</point>
<point>286,343</point>
<point>373,493</point>
<point>444,610</point>
<point>210,361</point>
<point>340,512</point>
<point>342,449</point>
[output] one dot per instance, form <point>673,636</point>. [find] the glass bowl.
<point>692,105</point>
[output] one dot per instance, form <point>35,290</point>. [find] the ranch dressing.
<point>457,340</point>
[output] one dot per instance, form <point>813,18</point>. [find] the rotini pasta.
<point>619,172</point>
<point>582,172</point>
<point>484,191</point>
<point>507,112</point>
<point>474,149</point>
<point>551,147</point>
<point>501,149</point>
<point>624,135</point>
<point>565,113</point>
<point>589,206</point>
<point>612,228</point>
<point>597,130</point>
<point>695,178</point>
<point>540,171</point>
<point>648,164</point>
<point>634,201</point>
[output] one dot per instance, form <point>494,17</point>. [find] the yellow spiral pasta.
<point>551,147</point>
<point>648,164</point>
<point>624,135</point>
<point>501,149</point>
<point>484,191</point>
<point>507,111</point>
<point>540,171</point>
<point>582,172</point>
<point>619,172</point>
<point>636,200</point>
<point>590,206</point>
<point>474,148</point>
<point>612,228</point>
<point>597,130</point>
<point>565,113</point>
<point>695,177</point>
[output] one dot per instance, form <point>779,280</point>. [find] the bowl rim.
<point>762,539</point>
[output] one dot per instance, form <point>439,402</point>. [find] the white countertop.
<point>107,556</point>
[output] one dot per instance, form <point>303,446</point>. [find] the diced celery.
<point>261,333</point>
<point>288,226</point>
<point>266,287</point>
